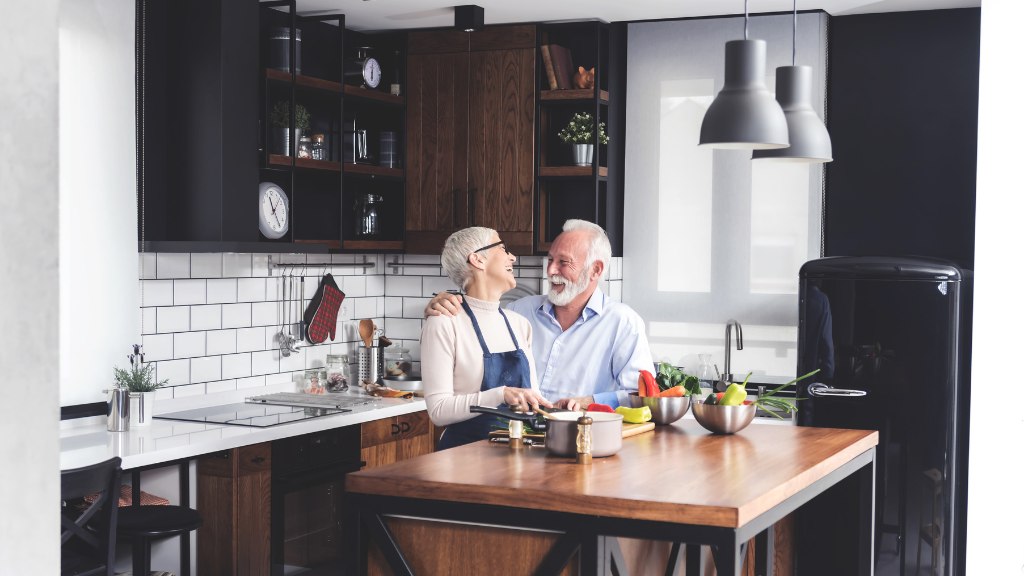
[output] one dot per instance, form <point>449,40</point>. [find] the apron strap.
<point>510,332</point>
<point>476,327</point>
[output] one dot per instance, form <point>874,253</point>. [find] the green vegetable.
<point>735,394</point>
<point>634,415</point>
<point>769,403</point>
<point>669,376</point>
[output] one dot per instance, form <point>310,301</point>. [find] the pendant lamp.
<point>744,115</point>
<point>808,138</point>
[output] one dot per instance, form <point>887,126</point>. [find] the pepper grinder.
<point>515,434</point>
<point>584,440</point>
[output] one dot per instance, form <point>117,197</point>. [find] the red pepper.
<point>646,384</point>
<point>595,407</point>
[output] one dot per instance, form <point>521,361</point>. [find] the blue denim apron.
<point>510,368</point>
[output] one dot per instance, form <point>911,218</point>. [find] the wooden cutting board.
<point>634,429</point>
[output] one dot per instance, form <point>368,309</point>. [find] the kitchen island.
<point>678,484</point>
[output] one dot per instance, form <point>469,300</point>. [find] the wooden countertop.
<point>679,474</point>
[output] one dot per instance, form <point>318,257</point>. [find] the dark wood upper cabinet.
<point>471,106</point>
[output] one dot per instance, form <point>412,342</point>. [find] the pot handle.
<point>528,417</point>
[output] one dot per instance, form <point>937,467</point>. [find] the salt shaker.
<point>515,434</point>
<point>584,440</point>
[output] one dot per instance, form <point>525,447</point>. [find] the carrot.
<point>673,392</point>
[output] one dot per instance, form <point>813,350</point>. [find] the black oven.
<point>306,498</point>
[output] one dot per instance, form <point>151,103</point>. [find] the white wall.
<point>99,294</point>
<point>995,508</point>
<point>29,527</point>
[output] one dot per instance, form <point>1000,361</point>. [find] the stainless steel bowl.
<point>663,410</point>
<point>724,419</point>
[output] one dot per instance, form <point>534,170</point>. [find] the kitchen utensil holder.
<point>118,414</point>
<point>371,363</point>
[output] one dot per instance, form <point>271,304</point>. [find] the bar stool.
<point>143,524</point>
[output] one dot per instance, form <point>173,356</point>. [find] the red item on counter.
<point>595,407</point>
<point>646,384</point>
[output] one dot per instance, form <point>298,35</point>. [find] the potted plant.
<point>579,132</point>
<point>141,387</point>
<point>281,119</point>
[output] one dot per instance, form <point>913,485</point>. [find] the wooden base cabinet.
<point>233,496</point>
<point>393,439</point>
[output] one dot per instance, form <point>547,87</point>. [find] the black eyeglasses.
<point>489,246</point>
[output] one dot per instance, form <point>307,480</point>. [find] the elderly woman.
<point>481,357</point>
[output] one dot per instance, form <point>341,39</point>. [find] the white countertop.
<point>86,441</point>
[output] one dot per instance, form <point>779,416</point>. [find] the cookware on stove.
<point>560,429</point>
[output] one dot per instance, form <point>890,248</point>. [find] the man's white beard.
<point>570,291</point>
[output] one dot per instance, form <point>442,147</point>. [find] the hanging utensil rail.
<point>322,265</point>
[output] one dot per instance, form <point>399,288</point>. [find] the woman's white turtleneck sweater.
<point>452,360</point>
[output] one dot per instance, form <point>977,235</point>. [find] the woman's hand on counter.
<point>526,398</point>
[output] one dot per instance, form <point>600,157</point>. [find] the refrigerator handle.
<point>820,390</point>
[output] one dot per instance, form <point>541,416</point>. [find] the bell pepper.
<point>595,407</point>
<point>646,384</point>
<point>673,392</point>
<point>734,395</point>
<point>714,398</point>
<point>634,415</point>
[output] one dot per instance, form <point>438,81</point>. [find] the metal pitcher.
<point>118,417</point>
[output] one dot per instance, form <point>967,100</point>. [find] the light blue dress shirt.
<point>601,354</point>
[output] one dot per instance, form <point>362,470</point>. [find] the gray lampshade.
<point>744,115</point>
<point>808,138</point>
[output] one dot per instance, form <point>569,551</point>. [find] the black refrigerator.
<point>891,337</point>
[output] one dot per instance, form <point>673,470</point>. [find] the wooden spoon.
<point>366,331</point>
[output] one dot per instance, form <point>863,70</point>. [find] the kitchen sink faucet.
<point>727,376</point>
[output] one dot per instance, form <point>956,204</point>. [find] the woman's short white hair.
<point>599,247</point>
<point>458,247</point>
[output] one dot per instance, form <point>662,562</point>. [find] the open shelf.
<point>375,95</point>
<point>303,81</point>
<point>572,171</point>
<point>393,245</point>
<point>585,95</point>
<point>307,163</point>
<point>373,170</point>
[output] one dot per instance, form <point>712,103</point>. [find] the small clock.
<point>273,211</point>
<point>364,70</point>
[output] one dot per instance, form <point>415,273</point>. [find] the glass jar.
<point>319,150</point>
<point>315,381</point>
<point>397,362</point>
<point>337,372</point>
<point>369,219</point>
<point>305,148</point>
<point>705,374</point>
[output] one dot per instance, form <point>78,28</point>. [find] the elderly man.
<point>587,347</point>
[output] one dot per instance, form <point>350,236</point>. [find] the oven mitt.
<point>321,316</point>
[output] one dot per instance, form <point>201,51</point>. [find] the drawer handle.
<point>258,460</point>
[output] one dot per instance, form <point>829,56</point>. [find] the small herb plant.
<point>138,379</point>
<point>280,116</point>
<point>669,376</point>
<point>580,130</point>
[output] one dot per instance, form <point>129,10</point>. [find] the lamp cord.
<point>794,32</point>
<point>746,19</point>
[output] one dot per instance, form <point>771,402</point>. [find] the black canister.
<point>281,49</point>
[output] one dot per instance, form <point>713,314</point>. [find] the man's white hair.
<point>599,248</point>
<point>458,247</point>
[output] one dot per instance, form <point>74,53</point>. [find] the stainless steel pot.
<point>606,432</point>
<point>560,429</point>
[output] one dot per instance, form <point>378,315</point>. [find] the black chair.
<point>87,528</point>
<point>141,525</point>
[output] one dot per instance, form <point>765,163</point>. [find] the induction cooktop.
<point>248,414</point>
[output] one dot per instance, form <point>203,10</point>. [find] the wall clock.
<point>273,211</point>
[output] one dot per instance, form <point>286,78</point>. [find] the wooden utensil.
<point>366,331</point>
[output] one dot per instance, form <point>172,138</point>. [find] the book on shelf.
<point>561,60</point>
<point>549,69</point>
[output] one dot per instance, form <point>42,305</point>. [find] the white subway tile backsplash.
<point>403,328</point>
<point>157,292</point>
<point>189,292</point>
<point>297,361</point>
<point>220,342</point>
<point>207,265</point>
<point>252,289</point>
<point>147,265</point>
<point>172,319</point>
<point>190,390</point>
<point>238,265</point>
<point>252,339</point>
<point>411,308</point>
<point>206,317</point>
<point>222,291</point>
<point>220,386</point>
<point>174,371</point>
<point>432,286</point>
<point>189,344</point>
<point>375,285</point>
<point>267,362</point>
<point>364,307</point>
<point>393,306</point>
<point>278,378</point>
<point>265,313</point>
<point>418,259</point>
<point>316,356</point>
<point>237,315</point>
<point>403,286</point>
<point>170,265</point>
<point>253,382</point>
<point>205,369</point>
<point>275,288</point>
<point>354,286</point>
<point>236,365</point>
<point>149,320</point>
<point>158,347</point>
